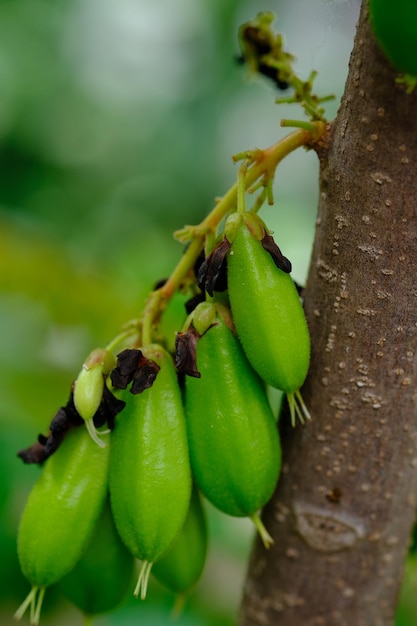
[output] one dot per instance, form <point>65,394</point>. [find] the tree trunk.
<point>345,504</point>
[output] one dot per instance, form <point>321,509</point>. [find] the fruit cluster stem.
<point>259,163</point>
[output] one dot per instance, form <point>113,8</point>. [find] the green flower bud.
<point>204,316</point>
<point>89,387</point>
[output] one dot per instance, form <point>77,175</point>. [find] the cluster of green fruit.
<point>197,422</point>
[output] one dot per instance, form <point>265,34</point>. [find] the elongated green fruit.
<point>267,313</point>
<point>150,477</point>
<point>181,567</point>
<point>234,445</point>
<point>395,26</point>
<point>101,578</point>
<point>61,513</point>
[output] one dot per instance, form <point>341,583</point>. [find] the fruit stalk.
<point>260,163</point>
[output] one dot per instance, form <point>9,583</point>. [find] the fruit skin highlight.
<point>150,477</point>
<point>234,444</point>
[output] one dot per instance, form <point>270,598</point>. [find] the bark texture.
<point>345,504</point>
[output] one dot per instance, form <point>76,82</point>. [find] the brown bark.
<point>345,504</point>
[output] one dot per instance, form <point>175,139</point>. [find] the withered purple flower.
<point>257,47</point>
<point>65,418</point>
<point>191,304</point>
<point>212,274</point>
<point>279,259</point>
<point>144,376</point>
<point>127,364</point>
<point>110,406</point>
<point>186,352</point>
<point>133,367</point>
<point>33,454</point>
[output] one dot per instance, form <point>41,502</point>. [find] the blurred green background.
<point>117,125</point>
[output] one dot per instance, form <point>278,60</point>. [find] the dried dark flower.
<point>61,423</point>
<point>212,275</point>
<point>127,364</point>
<point>257,38</point>
<point>53,442</point>
<point>74,418</point>
<point>34,454</point>
<point>273,74</point>
<point>193,302</point>
<point>133,367</point>
<point>65,418</point>
<point>186,352</point>
<point>199,260</point>
<point>144,376</point>
<point>280,260</point>
<point>109,407</point>
<point>258,45</point>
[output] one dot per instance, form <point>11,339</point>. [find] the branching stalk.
<point>260,164</point>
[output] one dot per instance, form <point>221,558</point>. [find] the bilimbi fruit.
<point>266,309</point>
<point>60,515</point>
<point>150,476</point>
<point>234,444</point>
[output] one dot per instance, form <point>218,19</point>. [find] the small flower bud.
<point>89,387</point>
<point>88,391</point>
<point>203,317</point>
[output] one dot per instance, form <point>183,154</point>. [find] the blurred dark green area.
<point>117,124</point>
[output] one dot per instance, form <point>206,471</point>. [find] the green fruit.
<point>181,567</point>
<point>395,27</point>
<point>267,313</point>
<point>234,445</point>
<point>60,514</point>
<point>150,478</point>
<point>99,581</point>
